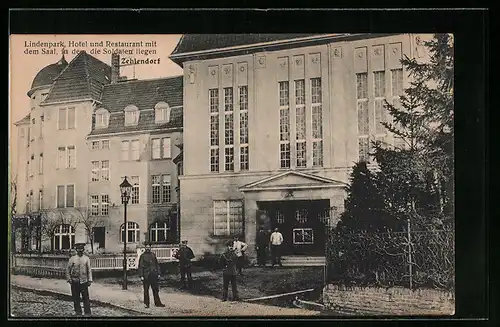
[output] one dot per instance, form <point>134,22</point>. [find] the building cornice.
<point>270,46</point>
<point>149,131</point>
<point>68,101</point>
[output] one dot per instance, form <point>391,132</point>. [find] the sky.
<point>23,66</point>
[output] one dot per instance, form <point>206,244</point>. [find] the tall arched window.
<point>133,232</point>
<point>158,231</point>
<point>162,112</point>
<point>64,237</point>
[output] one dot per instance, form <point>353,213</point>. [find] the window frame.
<point>214,121</point>
<point>295,242</point>
<point>131,112</point>
<point>362,107</point>
<point>65,187</point>
<point>284,124</point>
<point>244,137</point>
<point>154,230</point>
<point>59,234</point>
<point>228,231</point>
<point>317,122</point>
<point>162,112</point>
<point>126,229</point>
<point>66,120</point>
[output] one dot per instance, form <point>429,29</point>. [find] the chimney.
<point>115,67</point>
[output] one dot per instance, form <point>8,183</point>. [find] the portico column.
<point>250,208</point>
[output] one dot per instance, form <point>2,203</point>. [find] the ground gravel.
<point>26,303</point>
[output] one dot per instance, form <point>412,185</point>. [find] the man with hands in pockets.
<point>149,270</point>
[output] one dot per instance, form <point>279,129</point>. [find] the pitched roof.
<point>144,94</point>
<point>200,42</point>
<point>83,78</point>
<point>25,120</point>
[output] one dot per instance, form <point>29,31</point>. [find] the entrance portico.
<point>299,204</point>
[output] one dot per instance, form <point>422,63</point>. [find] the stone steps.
<point>302,261</point>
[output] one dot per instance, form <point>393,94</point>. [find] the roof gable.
<point>83,78</point>
<point>292,180</point>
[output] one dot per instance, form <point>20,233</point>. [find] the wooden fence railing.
<point>103,262</point>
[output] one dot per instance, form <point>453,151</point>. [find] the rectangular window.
<point>105,144</point>
<point>61,196</point>
<point>214,130</point>
<point>363,116</point>
<point>244,157</point>
<point>379,84</point>
<point>228,129</point>
<point>125,150</point>
<point>134,180</point>
<point>135,153</point>
<point>300,124</point>
<point>379,93</point>
<point>213,95</point>
<point>303,236</point>
<point>71,118</point>
<point>94,145</point>
<point>63,118</point>
<point>301,154</point>
<point>70,196</point>
<point>167,149</point>
<point>166,189</point>
<point>40,164</point>
<point>95,171</point>
<point>156,148</point>
<point>71,157</point>
<point>229,159</point>
<point>105,170</point>
<point>397,82</point>
<point>284,125</point>
<point>364,148</point>
<point>214,159</point>
<point>61,157</point>
<point>161,114</point>
<point>156,188</point>
<point>284,94</point>
<point>300,92</point>
<point>104,205</point>
<point>317,122</point>
<point>40,199</point>
<point>41,126</point>
<point>228,218</point>
<point>94,205</point>
<point>285,155</point>
<point>228,99</point>
<point>131,117</point>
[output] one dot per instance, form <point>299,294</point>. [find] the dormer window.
<point>131,115</point>
<point>162,112</point>
<point>101,118</point>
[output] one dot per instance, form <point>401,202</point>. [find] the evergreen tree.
<point>365,206</point>
<point>424,121</point>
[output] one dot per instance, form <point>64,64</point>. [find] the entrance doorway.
<point>302,223</point>
<point>100,236</point>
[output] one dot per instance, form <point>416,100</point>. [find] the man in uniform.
<point>149,270</point>
<point>184,255</point>
<point>261,247</point>
<point>229,261</point>
<point>79,276</point>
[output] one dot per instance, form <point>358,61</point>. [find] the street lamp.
<point>125,190</point>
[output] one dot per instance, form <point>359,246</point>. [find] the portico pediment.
<point>290,180</point>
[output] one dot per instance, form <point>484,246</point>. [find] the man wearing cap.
<point>229,261</point>
<point>184,255</point>
<point>79,276</point>
<point>149,270</point>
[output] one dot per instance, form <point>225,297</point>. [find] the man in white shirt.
<point>275,241</point>
<point>239,249</point>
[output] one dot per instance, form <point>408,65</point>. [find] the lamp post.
<point>125,190</point>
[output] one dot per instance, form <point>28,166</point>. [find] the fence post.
<point>410,270</point>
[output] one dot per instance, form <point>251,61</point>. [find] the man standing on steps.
<point>229,261</point>
<point>239,249</point>
<point>149,270</point>
<point>184,255</point>
<point>79,276</point>
<point>275,241</point>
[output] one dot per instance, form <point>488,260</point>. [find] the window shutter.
<point>70,196</point>
<point>71,117</point>
<point>167,150</point>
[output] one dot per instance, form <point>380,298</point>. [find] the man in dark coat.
<point>184,255</point>
<point>149,270</point>
<point>261,247</point>
<point>229,261</point>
